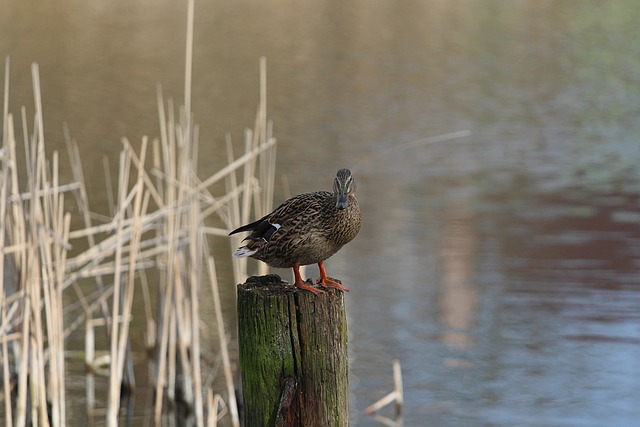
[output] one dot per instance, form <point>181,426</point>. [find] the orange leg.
<point>300,284</point>
<point>325,282</point>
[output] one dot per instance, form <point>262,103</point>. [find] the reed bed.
<point>154,245</point>
<point>34,237</point>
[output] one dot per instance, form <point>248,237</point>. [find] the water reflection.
<point>458,295</point>
<point>536,321</point>
<point>567,300</point>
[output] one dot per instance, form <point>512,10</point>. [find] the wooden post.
<point>293,355</point>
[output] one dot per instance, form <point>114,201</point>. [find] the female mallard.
<point>306,229</point>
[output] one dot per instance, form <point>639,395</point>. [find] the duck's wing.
<point>290,212</point>
<point>306,205</point>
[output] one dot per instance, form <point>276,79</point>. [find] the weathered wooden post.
<point>293,355</point>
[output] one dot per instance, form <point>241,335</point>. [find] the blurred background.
<point>501,268</point>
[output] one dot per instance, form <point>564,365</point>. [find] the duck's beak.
<point>343,201</point>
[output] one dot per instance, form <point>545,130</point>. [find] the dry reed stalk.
<point>54,256</point>
<point>396,396</point>
<point>189,259</point>
<point>4,349</point>
<point>15,231</point>
<point>6,384</point>
<point>118,363</point>
<point>44,193</point>
<point>231,186</point>
<point>114,378</point>
<point>195,236</point>
<point>21,403</point>
<point>268,157</point>
<point>150,322</point>
<point>411,144</point>
<point>222,336</point>
<point>60,320</point>
<point>39,258</point>
<point>5,102</point>
<point>170,374</point>
<point>184,381</point>
<point>29,147</point>
<point>14,302</point>
<point>165,321</point>
<point>53,253</point>
<point>7,338</point>
<point>89,343</point>
<point>261,133</point>
<point>212,409</point>
<point>107,180</point>
<point>157,164</point>
<point>90,386</point>
<point>249,169</point>
<point>189,61</point>
<point>139,208</point>
<point>214,401</point>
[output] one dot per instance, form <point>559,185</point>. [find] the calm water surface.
<point>500,268</point>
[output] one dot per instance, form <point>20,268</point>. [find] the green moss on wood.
<point>286,333</point>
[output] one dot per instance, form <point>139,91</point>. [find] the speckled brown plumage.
<point>306,229</point>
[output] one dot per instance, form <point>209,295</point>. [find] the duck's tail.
<point>248,227</point>
<point>243,252</point>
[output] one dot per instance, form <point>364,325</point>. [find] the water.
<point>500,268</point>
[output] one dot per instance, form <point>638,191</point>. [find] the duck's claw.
<point>304,286</point>
<point>328,283</point>
<point>325,282</point>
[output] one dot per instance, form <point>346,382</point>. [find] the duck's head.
<point>343,185</point>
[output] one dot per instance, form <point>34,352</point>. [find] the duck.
<point>306,229</point>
